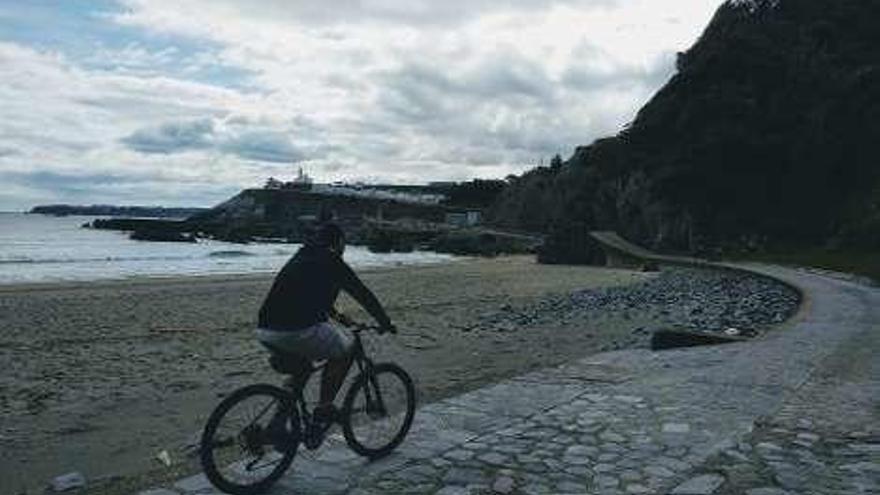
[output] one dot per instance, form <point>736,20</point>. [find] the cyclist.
<point>294,316</point>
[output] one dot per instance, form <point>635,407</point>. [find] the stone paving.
<point>739,418</point>
<point>779,460</point>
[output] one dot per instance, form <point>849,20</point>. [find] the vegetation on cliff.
<point>478,193</point>
<point>766,135</point>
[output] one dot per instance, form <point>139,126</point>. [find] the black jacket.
<point>306,289</point>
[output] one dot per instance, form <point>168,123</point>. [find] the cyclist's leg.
<point>332,377</point>
<point>337,349</point>
<point>320,341</point>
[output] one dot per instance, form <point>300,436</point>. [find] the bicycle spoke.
<point>262,411</point>
<point>240,447</point>
<point>377,400</point>
<point>265,465</point>
<point>378,411</point>
<point>223,442</point>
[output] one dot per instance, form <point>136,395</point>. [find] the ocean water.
<point>40,248</point>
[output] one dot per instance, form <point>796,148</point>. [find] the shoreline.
<point>134,280</point>
<point>58,252</point>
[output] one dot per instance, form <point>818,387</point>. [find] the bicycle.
<point>261,453</point>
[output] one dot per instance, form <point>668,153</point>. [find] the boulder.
<point>157,235</point>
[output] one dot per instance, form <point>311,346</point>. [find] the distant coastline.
<point>40,249</point>
<point>115,211</point>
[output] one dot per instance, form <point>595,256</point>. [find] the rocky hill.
<point>766,135</point>
<point>288,214</point>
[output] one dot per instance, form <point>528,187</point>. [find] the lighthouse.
<point>301,181</point>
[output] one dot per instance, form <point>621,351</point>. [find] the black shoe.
<point>322,420</point>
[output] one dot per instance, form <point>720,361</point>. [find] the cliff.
<point>766,135</point>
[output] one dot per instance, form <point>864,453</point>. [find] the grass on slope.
<point>864,263</point>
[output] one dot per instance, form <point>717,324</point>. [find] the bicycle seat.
<point>287,363</point>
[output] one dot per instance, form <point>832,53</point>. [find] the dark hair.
<point>327,235</point>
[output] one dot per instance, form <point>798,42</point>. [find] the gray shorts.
<point>319,341</point>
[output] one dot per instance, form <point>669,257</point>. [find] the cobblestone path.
<point>793,412</point>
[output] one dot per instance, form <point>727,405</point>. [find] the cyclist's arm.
<point>340,317</point>
<point>351,284</point>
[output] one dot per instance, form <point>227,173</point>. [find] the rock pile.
<point>698,299</point>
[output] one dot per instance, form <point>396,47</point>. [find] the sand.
<point>100,377</point>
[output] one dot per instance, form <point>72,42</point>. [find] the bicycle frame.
<point>364,366</point>
<point>360,358</point>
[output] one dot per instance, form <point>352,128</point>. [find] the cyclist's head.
<point>330,236</point>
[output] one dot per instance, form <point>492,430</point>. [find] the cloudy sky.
<point>184,102</point>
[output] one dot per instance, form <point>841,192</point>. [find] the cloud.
<point>172,137</point>
<point>144,188</point>
<point>63,120</point>
<point>233,136</point>
<point>422,88</point>
<point>264,146</point>
<point>4,152</point>
<point>502,108</point>
<point>216,94</point>
<point>75,181</point>
<point>421,13</point>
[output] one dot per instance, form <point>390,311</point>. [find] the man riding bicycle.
<point>294,316</point>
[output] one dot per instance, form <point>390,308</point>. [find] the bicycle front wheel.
<point>250,439</point>
<point>378,410</point>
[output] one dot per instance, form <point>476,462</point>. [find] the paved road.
<point>794,412</point>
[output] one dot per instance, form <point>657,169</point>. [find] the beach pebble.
<point>704,484</point>
<point>503,484</point>
<point>164,457</point>
<point>68,481</point>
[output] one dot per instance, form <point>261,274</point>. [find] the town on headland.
<point>439,216</point>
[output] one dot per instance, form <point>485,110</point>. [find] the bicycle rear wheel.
<point>378,410</point>
<point>250,439</point>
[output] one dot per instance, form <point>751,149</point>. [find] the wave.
<point>117,259</point>
<point>17,261</point>
<point>230,254</point>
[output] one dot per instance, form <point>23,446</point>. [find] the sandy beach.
<point>100,377</point>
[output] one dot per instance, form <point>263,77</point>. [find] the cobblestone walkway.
<point>789,413</point>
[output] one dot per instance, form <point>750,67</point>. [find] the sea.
<point>41,248</point>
